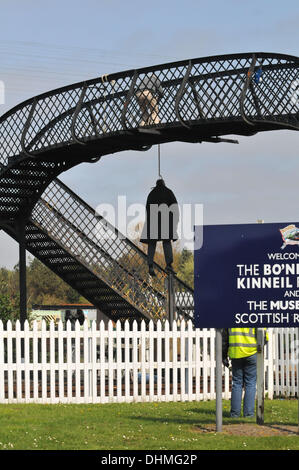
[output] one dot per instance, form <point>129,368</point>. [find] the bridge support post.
<point>170,299</point>
<point>22,271</point>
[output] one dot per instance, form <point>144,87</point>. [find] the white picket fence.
<point>121,364</point>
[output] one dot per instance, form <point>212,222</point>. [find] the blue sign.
<point>247,276</point>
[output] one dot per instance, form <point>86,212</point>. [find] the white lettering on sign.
<point>265,318</point>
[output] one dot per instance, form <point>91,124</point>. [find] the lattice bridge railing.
<point>241,93</point>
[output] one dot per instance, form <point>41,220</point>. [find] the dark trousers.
<point>167,248</point>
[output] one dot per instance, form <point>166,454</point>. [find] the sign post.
<point>248,276</point>
<point>218,380</point>
<point>260,377</point>
<point>297,374</point>
<point>170,299</point>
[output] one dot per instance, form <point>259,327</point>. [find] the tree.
<point>7,308</point>
<point>9,296</point>
<point>185,256</point>
<point>45,287</point>
<point>186,267</point>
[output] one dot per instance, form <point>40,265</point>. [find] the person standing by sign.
<point>240,345</point>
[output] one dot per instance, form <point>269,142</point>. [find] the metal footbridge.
<point>203,100</point>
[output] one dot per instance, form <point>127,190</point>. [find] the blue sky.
<point>44,45</point>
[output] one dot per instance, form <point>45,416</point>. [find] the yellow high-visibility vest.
<point>242,342</point>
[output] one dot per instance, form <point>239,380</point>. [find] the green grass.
<point>144,426</point>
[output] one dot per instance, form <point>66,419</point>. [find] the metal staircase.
<point>88,253</point>
<point>203,100</point>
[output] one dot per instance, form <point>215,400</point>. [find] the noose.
<point>159,162</point>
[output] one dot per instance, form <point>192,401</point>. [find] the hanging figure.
<point>162,217</point>
<point>148,96</point>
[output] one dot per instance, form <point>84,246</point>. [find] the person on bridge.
<point>240,345</point>
<point>162,217</point>
<point>148,96</point>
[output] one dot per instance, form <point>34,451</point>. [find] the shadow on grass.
<point>181,421</point>
<point>192,416</point>
<point>281,427</point>
<point>208,416</point>
<point>241,420</point>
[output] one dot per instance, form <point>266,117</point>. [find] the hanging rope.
<point>159,162</point>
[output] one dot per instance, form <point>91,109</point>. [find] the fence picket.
<point>167,361</point>
<point>143,361</point>
<point>61,337</point>
<point>102,361</point>
<point>270,365</point>
<point>77,362</point>
<point>182,360</point>
<point>190,360</point>
<point>19,365</point>
<point>159,360</point>
<point>204,368</point>
<point>151,361</point>
<point>69,359</point>
<point>44,339</point>
<point>281,364</point>
<point>52,362</point>
<point>86,362</point>
<point>127,360</point>
<point>135,361</point>
<point>276,361</point>
<point>94,362</point>
<point>293,360</point>
<point>9,337</point>
<point>287,363</point>
<point>119,361</point>
<point>2,383</point>
<point>175,361</point>
<point>197,363</point>
<point>111,369</point>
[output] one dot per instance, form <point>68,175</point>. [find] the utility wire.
<point>84,50</point>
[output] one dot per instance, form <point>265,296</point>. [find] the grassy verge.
<point>144,426</point>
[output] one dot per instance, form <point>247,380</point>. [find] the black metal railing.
<point>215,90</point>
